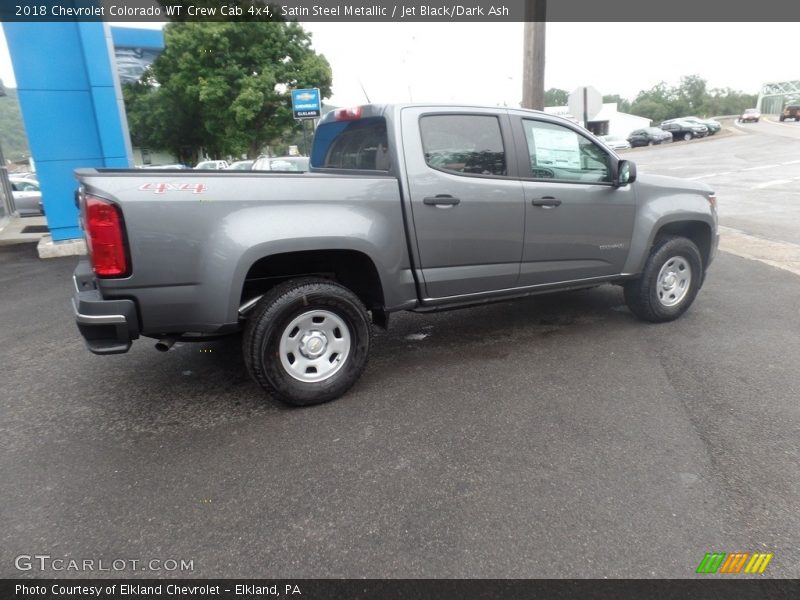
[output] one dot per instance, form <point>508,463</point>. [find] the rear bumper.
<point>107,326</point>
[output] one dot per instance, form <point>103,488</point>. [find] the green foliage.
<point>12,131</point>
<point>556,97</point>
<point>690,98</point>
<point>224,87</point>
<point>623,105</point>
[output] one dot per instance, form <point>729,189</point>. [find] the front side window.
<point>560,153</point>
<point>465,144</point>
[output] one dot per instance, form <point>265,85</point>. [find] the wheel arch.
<point>353,269</point>
<point>697,228</point>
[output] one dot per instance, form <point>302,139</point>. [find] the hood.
<point>673,183</point>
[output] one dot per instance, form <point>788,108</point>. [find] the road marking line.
<point>761,167</point>
<point>791,162</point>
<point>783,255</point>
<point>770,183</point>
<point>703,176</point>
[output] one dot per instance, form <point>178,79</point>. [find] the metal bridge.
<point>773,96</point>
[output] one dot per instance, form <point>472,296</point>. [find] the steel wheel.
<point>314,346</point>
<point>674,281</point>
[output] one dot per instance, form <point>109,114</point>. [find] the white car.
<point>214,165</point>
<point>615,142</point>
<point>282,163</point>
<point>241,165</point>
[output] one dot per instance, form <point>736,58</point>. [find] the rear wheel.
<point>669,283</point>
<point>307,341</point>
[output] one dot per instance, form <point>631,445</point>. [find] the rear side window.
<point>463,144</point>
<point>360,145</point>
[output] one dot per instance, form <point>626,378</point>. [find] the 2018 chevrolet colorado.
<point>406,207</point>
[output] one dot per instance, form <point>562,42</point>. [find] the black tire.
<point>650,143</point>
<point>649,301</point>
<point>687,136</point>
<point>269,322</point>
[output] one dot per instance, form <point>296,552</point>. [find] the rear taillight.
<point>712,200</point>
<point>105,238</point>
<point>348,114</point>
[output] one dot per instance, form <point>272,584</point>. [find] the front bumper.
<point>107,326</point>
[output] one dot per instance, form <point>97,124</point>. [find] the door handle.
<point>546,202</point>
<point>441,200</point>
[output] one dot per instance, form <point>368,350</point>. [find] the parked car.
<point>282,163</point>
<point>408,207</point>
<point>712,125</point>
<point>649,136</point>
<point>615,142</point>
<point>684,130</point>
<point>792,111</point>
<point>172,166</point>
<point>217,165</point>
<point>241,165</point>
<point>750,115</point>
<point>27,196</point>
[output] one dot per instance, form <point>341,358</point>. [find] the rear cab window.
<point>356,144</point>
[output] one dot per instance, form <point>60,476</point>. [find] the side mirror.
<point>626,173</point>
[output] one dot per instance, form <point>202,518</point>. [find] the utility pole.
<point>533,54</point>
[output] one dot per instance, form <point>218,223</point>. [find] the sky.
<point>481,63</point>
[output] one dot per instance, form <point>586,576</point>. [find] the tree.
<point>623,105</point>
<point>691,93</point>
<point>728,102</point>
<point>657,103</point>
<point>690,98</point>
<point>224,87</point>
<point>556,97</point>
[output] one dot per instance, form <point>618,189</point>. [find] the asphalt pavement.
<point>556,436</point>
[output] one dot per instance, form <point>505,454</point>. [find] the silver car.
<point>27,196</point>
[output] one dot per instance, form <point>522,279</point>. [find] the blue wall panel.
<point>59,124</point>
<point>72,105</point>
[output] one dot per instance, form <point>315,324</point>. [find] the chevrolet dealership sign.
<point>306,104</point>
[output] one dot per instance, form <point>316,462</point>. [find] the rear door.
<point>467,203</point>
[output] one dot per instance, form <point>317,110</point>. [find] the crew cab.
<point>405,207</point>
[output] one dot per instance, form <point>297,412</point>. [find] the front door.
<point>578,225</point>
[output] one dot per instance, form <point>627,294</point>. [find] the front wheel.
<point>687,136</point>
<point>669,283</point>
<point>307,341</point>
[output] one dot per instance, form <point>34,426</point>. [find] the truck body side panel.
<point>193,239</point>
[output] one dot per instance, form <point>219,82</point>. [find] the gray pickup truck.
<point>406,207</point>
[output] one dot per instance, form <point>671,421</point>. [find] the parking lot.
<point>549,437</point>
